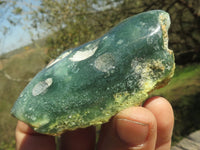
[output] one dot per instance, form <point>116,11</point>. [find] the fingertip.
<point>24,128</point>
<point>138,114</point>
<point>162,110</point>
<point>136,126</point>
<point>156,99</point>
<point>28,139</point>
<point>132,128</point>
<point>131,132</point>
<point>84,137</point>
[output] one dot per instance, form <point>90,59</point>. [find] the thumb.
<point>133,128</point>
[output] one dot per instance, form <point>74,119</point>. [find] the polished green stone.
<point>89,84</point>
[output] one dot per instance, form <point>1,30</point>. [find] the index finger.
<point>28,139</point>
<point>163,112</point>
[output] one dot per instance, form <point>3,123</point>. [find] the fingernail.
<point>133,133</point>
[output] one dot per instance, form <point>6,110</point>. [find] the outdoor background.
<point>50,27</point>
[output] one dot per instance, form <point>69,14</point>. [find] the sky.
<point>18,35</point>
<point>16,39</point>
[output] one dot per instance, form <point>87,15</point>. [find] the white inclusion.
<point>153,31</point>
<point>42,87</point>
<point>59,58</point>
<point>40,122</point>
<point>168,67</point>
<point>105,37</point>
<point>105,62</point>
<point>82,55</point>
<point>120,42</point>
<point>54,62</point>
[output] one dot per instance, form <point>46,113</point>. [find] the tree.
<point>70,23</point>
<point>9,16</point>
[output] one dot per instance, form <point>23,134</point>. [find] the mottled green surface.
<point>87,85</point>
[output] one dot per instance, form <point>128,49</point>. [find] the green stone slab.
<point>89,84</point>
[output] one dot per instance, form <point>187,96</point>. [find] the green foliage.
<point>12,82</point>
<point>79,21</point>
<point>184,94</point>
<point>186,110</point>
<point>184,83</point>
<point>17,11</point>
<point>8,145</point>
<point>1,2</point>
<point>71,23</point>
<point>68,37</point>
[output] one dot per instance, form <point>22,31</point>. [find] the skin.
<point>144,128</point>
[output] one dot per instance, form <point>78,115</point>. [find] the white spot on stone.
<point>105,62</point>
<point>142,24</point>
<point>105,37</point>
<point>154,30</point>
<point>168,67</point>
<point>51,64</point>
<point>21,95</point>
<point>62,56</point>
<point>65,54</point>
<point>120,42</point>
<point>42,87</point>
<point>85,52</point>
<point>82,55</point>
<point>40,122</point>
<point>33,118</point>
<point>49,81</point>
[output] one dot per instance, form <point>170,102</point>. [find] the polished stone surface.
<point>89,84</point>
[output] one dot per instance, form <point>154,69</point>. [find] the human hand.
<point>145,128</point>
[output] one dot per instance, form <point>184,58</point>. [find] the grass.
<point>15,72</point>
<point>185,82</point>
<point>183,92</point>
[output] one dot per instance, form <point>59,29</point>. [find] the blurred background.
<point>33,32</point>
